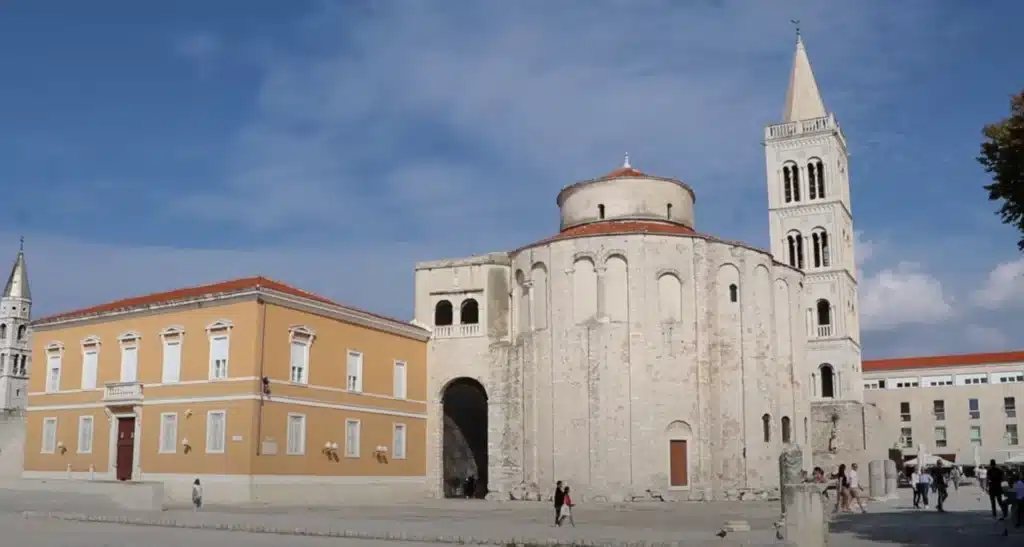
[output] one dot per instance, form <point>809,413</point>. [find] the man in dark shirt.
<point>559,500</point>
<point>995,479</point>
<point>940,486</point>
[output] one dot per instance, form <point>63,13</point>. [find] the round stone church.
<point>628,355</point>
<point>633,357</point>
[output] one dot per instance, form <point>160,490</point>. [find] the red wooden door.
<point>677,463</point>
<point>125,448</point>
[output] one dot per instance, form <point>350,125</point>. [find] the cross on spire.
<point>796,24</point>
<point>21,244</point>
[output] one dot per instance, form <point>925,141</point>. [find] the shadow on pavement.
<point>924,527</point>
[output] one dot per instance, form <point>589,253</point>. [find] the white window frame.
<point>399,450</point>
<point>90,345</point>
<point>52,448</point>
<point>163,447</point>
<point>220,328</point>
<point>353,450</point>
<point>170,336</point>
<point>303,336</point>
<point>223,432</point>
<point>129,341</point>
<point>92,434</point>
<point>401,372</point>
<point>54,349</point>
<point>357,385</point>
<point>302,435</point>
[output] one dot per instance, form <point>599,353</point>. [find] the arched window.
<point>827,374</point>
<point>469,312</point>
<point>791,182</point>
<point>819,241</point>
<point>22,329</point>
<point>795,243</point>
<point>818,178</point>
<point>668,211</point>
<point>787,433</point>
<point>600,211</point>
<point>443,315</point>
<point>766,425</point>
<point>812,189</point>
<point>824,308</point>
<point>734,293</point>
<point>3,331</point>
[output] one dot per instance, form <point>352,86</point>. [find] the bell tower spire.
<point>803,99</point>
<point>811,227</point>
<point>15,338</point>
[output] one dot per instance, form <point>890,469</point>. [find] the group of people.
<point>1004,490</point>
<point>929,480</point>
<point>563,504</point>
<point>846,483</point>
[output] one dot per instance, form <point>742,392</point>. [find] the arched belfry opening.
<point>464,439</point>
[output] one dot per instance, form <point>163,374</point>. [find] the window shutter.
<point>172,362</point>
<point>89,361</point>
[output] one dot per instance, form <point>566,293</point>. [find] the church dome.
<point>627,194</point>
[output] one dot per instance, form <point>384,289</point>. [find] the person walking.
<point>842,489</point>
<point>855,491</point>
<point>994,478</point>
<point>559,502</point>
<point>941,487</point>
<point>1018,500</point>
<point>924,484</point>
<point>566,512</point>
<point>982,475</point>
<point>915,478</point>
<point>197,495</point>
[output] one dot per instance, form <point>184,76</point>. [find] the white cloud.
<point>535,94</point>
<point>903,295</point>
<point>1004,287</point>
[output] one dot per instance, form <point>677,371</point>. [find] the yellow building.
<point>263,391</point>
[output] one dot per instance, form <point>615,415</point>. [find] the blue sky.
<point>147,146</point>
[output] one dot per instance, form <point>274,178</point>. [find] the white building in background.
<point>15,337</point>
<point>963,408</point>
<point>630,355</point>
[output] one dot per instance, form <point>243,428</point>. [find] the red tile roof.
<point>623,172</point>
<point>879,365</point>
<point>190,293</point>
<point>613,227</point>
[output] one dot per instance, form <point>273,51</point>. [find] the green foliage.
<point>1002,155</point>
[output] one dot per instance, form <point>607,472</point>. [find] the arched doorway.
<point>464,438</point>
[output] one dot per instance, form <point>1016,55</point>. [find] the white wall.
<point>591,393</point>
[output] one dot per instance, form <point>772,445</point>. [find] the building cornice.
<point>271,296</point>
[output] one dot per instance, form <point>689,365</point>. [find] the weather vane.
<point>796,23</point>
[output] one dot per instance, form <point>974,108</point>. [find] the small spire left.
<point>625,163</point>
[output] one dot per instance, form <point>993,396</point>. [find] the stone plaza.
<point>37,518</point>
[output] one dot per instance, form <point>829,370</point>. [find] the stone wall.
<point>847,432</point>
<point>593,376</point>
<point>12,443</point>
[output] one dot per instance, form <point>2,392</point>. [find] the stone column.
<point>790,466</point>
<point>891,479</point>
<point>876,480</point>
<point>806,523</point>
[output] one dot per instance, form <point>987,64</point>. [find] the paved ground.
<point>967,521</point>
<point>46,533</point>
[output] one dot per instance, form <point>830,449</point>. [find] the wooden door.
<point>677,463</point>
<point>125,448</point>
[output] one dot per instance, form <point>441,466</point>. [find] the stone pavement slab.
<point>47,533</point>
<point>482,522</point>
